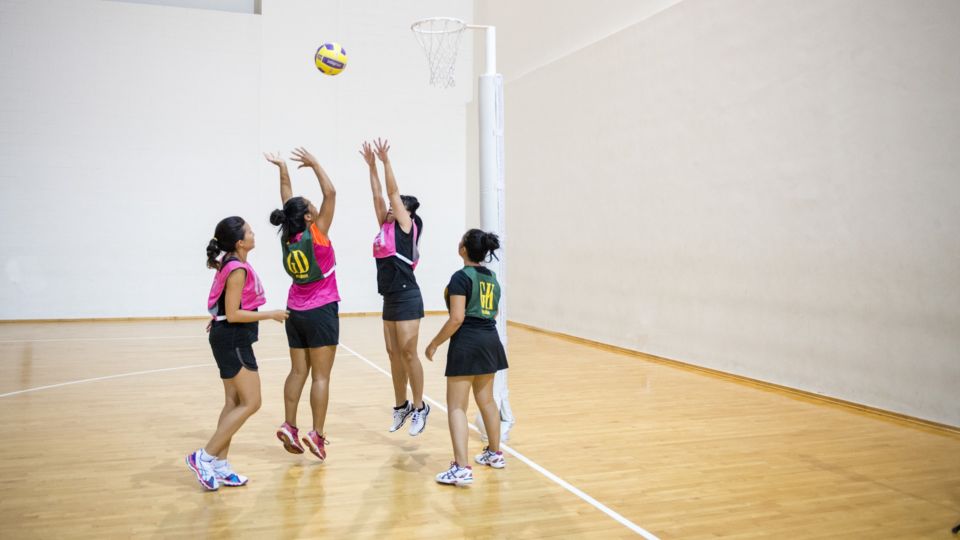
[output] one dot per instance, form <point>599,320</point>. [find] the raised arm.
<point>379,206</point>
<point>329,203</point>
<point>393,192</point>
<point>286,190</point>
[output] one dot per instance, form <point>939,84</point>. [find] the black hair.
<point>481,245</point>
<point>225,237</point>
<point>411,204</point>
<point>290,219</point>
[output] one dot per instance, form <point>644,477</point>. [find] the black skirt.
<point>403,306</point>
<point>475,351</point>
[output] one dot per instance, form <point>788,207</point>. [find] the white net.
<point>440,39</point>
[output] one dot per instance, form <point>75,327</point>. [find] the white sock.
<point>217,463</point>
<point>205,456</point>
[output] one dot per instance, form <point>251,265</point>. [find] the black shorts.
<point>317,327</point>
<point>475,351</point>
<point>232,345</point>
<point>403,306</point>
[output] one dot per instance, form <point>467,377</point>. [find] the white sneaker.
<point>456,475</point>
<point>225,474</point>
<point>419,420</point>
<point>493,459</point>
<point>204,471</point>
<point>400,416</point>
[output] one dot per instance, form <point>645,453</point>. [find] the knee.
<point>253,405</point>
<point>410,355</point>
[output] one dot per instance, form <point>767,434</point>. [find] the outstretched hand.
<point>275,158</point>
<point>305,158</point>
<point>367,153</point>
<point>382,147</point>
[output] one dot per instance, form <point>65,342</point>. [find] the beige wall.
<point>765,188</point>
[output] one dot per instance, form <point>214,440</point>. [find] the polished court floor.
<point>96,419</point>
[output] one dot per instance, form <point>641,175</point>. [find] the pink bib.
<point>385,244</point>
<point>250,298</point>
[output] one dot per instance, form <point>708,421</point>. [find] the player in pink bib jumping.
<point>397,253</point>
<point>313,329</point>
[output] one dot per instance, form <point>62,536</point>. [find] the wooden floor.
<point>678,453</point>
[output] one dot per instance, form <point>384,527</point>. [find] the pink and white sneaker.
<point>289,436</point>
<point>456,475</point>
<point>493,459</point>
<point>316,443</point>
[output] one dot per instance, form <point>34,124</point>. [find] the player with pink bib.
<point>396,251</point>
<point>313,329</point>
<point>234,297</point>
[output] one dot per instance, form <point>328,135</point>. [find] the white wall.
<point>384,92</point>
<point>764,188</point>
<point>129,130</point>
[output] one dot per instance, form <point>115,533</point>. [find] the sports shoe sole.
<point>196,470</point>
<point>289,443</point>
<point>459,482</point>
<point>314,449</point>
<point>488,464</point>
<point>402,422</point>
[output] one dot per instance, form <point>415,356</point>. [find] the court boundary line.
<point>120,376</point>
<point>534,465</point>
<point>527,461</point>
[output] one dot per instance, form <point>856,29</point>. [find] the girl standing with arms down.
<point>475,353</point>
<point>234,298</point>
<point>397,254</point>
<point>313,329</point>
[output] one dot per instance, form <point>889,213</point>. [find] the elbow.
<point>456,320</point>
<point>330,193</point>
<point>233,318</point>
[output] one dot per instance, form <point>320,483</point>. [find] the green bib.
<point>485,295</point>
<point>299,261</point>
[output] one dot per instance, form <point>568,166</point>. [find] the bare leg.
<point>293,387</point>
<point>397,370</point>
<point>231,400</point>
<point>407,333</point>
<point>458,394</point>
<point>483,394</point>
<point>321,363</point>
<point>247,384</point>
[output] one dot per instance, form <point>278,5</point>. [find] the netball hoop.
<point>440,39</point>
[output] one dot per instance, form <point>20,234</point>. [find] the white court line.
<point>119,375</point>
<point>561,482</point>
<point>122,338</point>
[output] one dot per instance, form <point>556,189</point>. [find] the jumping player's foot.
<point>289,436</point>
<point>456,475</point>
<point>400,415</point>
<point>419,420</point>
<point>493,459</point>
<point>316,443</point>
<point>203,468</point>
<point>226,475</point>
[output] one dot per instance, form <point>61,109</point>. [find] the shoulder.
<point>319,238</point>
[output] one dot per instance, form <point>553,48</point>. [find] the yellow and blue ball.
<point>331,58</point>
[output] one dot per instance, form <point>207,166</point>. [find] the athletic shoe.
<point>226,476</point>
<point>203,470</point>
<point>400,416</point>
<point>456,475</point>
<point>288,435</point>
<point>315,442</point>
<point>419,420</point>
<point>493,459</point>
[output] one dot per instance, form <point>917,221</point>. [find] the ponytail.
<point>290,218</point>
<point>225,237</point>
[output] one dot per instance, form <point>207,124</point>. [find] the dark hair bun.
<point>277,217</point>
<point>491,241</point>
